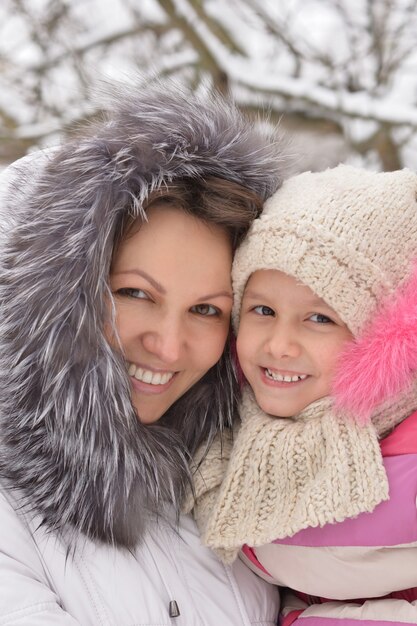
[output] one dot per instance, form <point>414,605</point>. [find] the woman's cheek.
<point>216,343</point>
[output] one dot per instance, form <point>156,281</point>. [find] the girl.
<point>320,490</point>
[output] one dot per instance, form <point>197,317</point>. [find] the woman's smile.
<point>149,376</point>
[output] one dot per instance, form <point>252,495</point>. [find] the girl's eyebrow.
<point>321,303</point>
<point>315,300</point>
<point>254,295</point>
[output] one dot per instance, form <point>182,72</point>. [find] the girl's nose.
<point>283,342</point>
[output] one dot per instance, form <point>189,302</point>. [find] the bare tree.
<point>341,69</point>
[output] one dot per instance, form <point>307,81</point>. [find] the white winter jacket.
<point>40,585</point>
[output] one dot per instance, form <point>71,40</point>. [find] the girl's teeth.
<point>284,379</point>
<point>147,376</point>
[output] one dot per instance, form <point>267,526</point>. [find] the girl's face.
<point>172,291</point>
<point>288,343</point>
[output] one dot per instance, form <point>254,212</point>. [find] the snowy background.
<point>340,76</point>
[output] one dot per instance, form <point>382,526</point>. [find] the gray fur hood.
<point>70,442</point>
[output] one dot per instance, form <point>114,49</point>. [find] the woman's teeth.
<point>147,376</point>
<point>284,379</point>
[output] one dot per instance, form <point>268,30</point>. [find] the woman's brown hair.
<point>211,404</point>
<point>216,201</point>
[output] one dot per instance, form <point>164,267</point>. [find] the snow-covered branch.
<point>350,62</point>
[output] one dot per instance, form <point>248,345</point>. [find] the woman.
<point>115,302</point>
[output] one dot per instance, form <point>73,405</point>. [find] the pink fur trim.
<point>381,363</point>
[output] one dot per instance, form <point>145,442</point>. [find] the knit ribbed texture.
<point>210,466</point>
<point>285,475</point>
<point>237,513</point>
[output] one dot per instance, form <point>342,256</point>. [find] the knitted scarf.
<point>284,475</point>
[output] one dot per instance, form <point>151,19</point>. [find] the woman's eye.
<point>132,293</point>
<point>207,310</point>
<point>318,318</point>
<point>264,310</point>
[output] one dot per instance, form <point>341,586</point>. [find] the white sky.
<point>263,66</point>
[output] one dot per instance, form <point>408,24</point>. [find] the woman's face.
<point>172,291</point>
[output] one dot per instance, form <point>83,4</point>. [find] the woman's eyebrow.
<point>162,290</point>
<point>146,276</point>
<point>217,294</point>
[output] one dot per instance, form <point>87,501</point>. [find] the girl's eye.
<point>207,310</point>
<point>318,318</point>
<point>132,293</point>
<point>264,310</point>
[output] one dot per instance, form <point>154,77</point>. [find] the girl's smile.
<point>282,379</point>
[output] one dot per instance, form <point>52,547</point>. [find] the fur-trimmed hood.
<point>71,443</point>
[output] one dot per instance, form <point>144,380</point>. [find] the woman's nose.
<point>165,340</point>
<point>283,342</point>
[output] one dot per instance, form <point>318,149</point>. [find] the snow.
<point>323,65</point>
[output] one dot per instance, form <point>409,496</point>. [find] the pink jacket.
<point>360,571</point>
